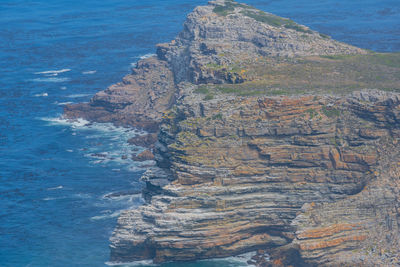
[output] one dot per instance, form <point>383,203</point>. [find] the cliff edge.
<point>271,137</point>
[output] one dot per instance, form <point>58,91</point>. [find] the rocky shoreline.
<point>267,136</point>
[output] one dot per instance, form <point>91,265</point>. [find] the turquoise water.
<point>55,176</point>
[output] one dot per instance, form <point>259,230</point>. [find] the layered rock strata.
<point>242,169</point>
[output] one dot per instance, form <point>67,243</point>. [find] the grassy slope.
<point>320,75</point>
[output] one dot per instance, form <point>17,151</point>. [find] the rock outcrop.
<point>217,34</point>
<point>271,137</point>
<point>139,100</point>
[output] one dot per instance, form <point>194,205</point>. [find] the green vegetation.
<point>214,66</point>
<point>323,35</point>
<point>330,112</point>
<point>334,141</point>
<point>217,116</point>
<point>333,74</point>
<point>312,112</point>
<point>260,16</point>
<point>273,20</point>
<point>387,59</point>
<point>226,68</point>
<point>228,8</point>
<point>202,89</point>
<point>208,97</point>
<point>297,27</point>
<point>265,18</point>
<point>339,57</point>
<point>238,90</point>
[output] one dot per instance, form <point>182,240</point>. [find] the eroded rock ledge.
<point>271,137</point>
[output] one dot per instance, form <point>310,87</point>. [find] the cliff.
<point>271,138</point>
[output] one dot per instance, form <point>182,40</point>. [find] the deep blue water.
<point>53,175</point>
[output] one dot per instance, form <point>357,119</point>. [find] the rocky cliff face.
<point>225,33</point>
<point>268,139</point>
<point>251,173</point>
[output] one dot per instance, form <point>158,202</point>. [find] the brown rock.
<point>147,140</point>
<point>143,156</point>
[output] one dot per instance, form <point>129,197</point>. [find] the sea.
<point>63,184</point>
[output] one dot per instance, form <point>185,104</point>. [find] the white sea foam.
<point>108,144</point>
<point>106,216</point>
<point>63,88</point>
<point>134,64</point>
<point>52,72</point>
<point>123,197</point>
<point>55,188</point>
<point>132,264</point>
<point>51,80</point>
<point>243,258</point>
<point>76,123</point>
<point>89,72</point>
<point>53,198</point>
<point>235,261</point>
<point>82,195</point>
<point>42,94</point>
<point>64,103</point>
<point>78,95</point>
<point>147,56</point>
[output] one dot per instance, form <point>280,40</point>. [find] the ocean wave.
<point>108,144</point>
<point>140,166</point>
<point>64,103</point>
<point>53,198</point>
<point>55,188</point>
<point>42,94</point>
<point>128,196</point>
<point>234,261</point>
<point>52,72</point>
<point>132,264</point>
<point>82,195</point>
<point>76,123</point>
<point>147,56</point>
<point>51,80</point>
<point>89,72</point>
<point>106,216</point>
<point>134,64</point>
<point>78,95</point>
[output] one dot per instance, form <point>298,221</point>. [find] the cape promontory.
<point>271,137</point>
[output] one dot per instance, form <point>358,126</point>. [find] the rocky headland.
<point>267,136</point>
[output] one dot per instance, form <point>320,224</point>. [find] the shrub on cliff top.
<point>273,20</point>
<point>228,8</point>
